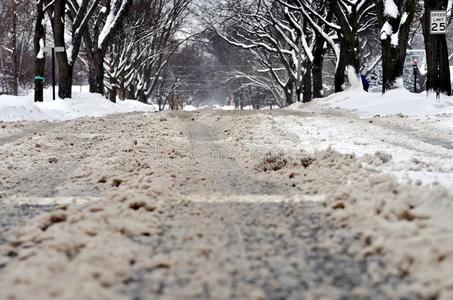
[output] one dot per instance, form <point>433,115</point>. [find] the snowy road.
<point>190,205</point>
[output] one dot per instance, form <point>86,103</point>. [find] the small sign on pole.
<point>438,22</point>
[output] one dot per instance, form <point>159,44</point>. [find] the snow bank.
<point>19,108</point>
<point>394,102</point>
<point>413,160</point>
<point>189,108</point>
<point>83,104</point>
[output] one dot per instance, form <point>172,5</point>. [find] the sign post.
<point>415,67</point>
<point>438,27</point>
<point>53,50</point>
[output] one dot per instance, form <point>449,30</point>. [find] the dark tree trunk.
<point>64,67</point>
<point>96,52</point>
<point>95,65</point>
<point>349,44</point>
<point>130,92</point>
<point>40,62</point>
<point>241,101</point>
<point>113,93</point>
<point>340,77</point>
<point>438,76</point>
<point>318,61</point>
<point>64,78</point>
<point>393,59</point>
<point>349,56</point>
<point>307,83</point>
<point>122,92</point>
<point>96,72</point>
<point>394,56</point>
<point>159,103</point>
<point>142,97</point>
<point>289,89</point>
<point>319,52</point>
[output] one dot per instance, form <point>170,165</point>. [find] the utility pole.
<point>14,48</point>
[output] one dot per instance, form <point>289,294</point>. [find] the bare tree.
<point>99,36</point>
<point>261,28</point>
<point>352,17</point>
<point>15,46</point>
<point>144,46</point>
<point>69,20</point>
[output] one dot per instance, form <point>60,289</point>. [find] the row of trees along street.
<point>292,40</point>
<point>257,52</point>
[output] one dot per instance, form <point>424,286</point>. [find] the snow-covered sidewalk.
<point>82,104</point>
<point>398,102</point>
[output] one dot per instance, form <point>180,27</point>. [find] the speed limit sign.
<point>438,23</point>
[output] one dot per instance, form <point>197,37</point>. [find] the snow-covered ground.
<point>394,102</point>
<point>414,131</point>
<point>83,104</point>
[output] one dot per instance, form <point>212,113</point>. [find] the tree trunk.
<point>142,97</point>
<point>340,77</point>
<point>438,76</point>
<point>307,83</point>
<point>113,91</point>
<point>95,58</point>
<point>96,71</point>
<point>349,43</point>
<point>130,92</point>
<point>159,103</point>
<point>394,56</point>
<point>319,52</point>
<point>289,89</point>
<point>64,79</point>
<point>122,92</point>
<point>40,62</point>
<point>318,62</point>
<point>393,60</point>
<point>14,48</point>
<point>65,67</point>
<point>349,56</point>
<point>241,101</point>
<point>96,52</point>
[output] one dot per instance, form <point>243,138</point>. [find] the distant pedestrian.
<point>365,83</point>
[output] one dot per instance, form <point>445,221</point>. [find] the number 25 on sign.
<point>438,24</point>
